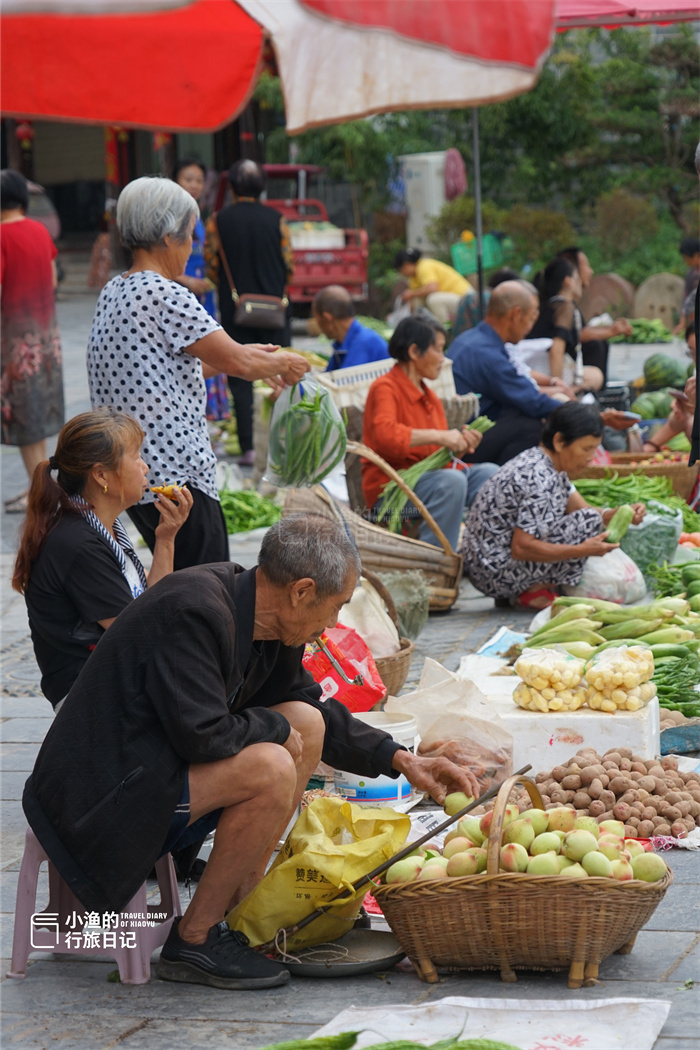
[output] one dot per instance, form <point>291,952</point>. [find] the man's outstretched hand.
<point>438,776</point>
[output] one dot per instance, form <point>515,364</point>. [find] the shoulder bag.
<point>253,310</point>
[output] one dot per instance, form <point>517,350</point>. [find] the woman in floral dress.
<point>32,374</point>
<point>529,531</point>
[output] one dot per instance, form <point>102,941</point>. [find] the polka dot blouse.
<point>138,363</point>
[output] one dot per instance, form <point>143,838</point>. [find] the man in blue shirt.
<point>353,344</point>
<point>481,365</point>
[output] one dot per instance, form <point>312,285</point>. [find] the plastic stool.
<point>133,945</point>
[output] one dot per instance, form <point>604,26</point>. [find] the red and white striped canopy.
<point>192,64</point>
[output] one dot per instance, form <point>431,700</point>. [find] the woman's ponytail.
<point>45,501</point>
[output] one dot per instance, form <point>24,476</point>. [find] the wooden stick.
<point>289,931</point>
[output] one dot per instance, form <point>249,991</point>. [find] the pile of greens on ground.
<point>346,1040</point>
<point>246,509</point>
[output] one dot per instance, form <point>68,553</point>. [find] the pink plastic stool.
<point>130,944</point>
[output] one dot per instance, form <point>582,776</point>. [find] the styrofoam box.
<point>547,740</point>
<point>317,239</point>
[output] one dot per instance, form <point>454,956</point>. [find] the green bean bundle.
<point>614,490</point>
<point>307,436</point>
<point>394,500</point>
<point>481,424</point>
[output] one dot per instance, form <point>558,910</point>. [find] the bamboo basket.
<point>393,670</point>
<point>381,550</point>
<point>502,921</point>
<point>681,475</point>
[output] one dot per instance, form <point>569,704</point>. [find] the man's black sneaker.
<point>225,960</point>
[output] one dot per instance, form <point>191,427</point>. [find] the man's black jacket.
<point>175,680</point>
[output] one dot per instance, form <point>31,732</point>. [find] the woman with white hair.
<point>151,347</point>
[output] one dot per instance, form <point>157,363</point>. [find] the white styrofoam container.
<point>547,740</point>
<point>317,239</point>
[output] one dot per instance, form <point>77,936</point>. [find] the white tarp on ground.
<point>528,1024</point>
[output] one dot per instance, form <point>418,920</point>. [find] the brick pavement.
<point>69,1004</point>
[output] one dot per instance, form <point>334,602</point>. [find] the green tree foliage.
<point>606,139</point>
<point>643,117</point>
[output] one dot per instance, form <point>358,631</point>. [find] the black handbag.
<point>253,310</point>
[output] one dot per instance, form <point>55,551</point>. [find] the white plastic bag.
<point>614,578</point>
<point>455,719</point>
<point>366,614</point>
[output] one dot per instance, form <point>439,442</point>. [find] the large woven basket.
<point>393,670</point>
<point>383,551</point>
<point>682,476</point>
<point>506,922</point>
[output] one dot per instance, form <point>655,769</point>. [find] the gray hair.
<point>309,546</point>
<point>151,208</point>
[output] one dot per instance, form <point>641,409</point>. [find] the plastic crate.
<point>350,386</point>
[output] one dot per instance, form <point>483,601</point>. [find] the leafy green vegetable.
<point>376,325</point>
<point>645,330</point>
<point>246,510</point>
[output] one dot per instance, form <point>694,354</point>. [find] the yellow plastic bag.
<point>332,844</point>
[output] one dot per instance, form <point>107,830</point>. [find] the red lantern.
<point>25,134</point>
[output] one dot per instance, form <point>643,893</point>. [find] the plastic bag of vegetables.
<point>307,436</point>
<point>656,538</point>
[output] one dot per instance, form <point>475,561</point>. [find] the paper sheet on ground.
<point>526,1023</point>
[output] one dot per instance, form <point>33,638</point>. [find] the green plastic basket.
<point>464,257</point>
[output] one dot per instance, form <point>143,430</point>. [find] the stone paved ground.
<point>69,1004</point>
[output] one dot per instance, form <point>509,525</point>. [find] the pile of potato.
<point>650,796</point>
<point>669,719</point>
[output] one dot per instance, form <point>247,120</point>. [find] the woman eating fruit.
<point>76,566</point>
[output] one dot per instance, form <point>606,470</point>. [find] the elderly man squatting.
<point>195,711</point>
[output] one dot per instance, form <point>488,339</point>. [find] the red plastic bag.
<point>353,655</point>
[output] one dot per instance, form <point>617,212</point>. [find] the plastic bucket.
<point>381,791</point>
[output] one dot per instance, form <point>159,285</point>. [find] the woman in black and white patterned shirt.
<point>529,530</point>
<point>151,347</point>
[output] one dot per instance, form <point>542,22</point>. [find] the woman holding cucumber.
<point>529,531</point>
<point>76,565</point>
<point>404,422</point>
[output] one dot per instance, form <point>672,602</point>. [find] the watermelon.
<point>644,406</point>
<point>661,370</point>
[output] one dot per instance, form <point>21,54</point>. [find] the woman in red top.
<point>32,375</point>
<point>404,422</point>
